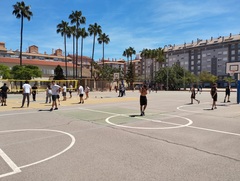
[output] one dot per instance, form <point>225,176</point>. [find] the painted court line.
<point>194,127</point>
<point>10,163</point>
<point>15,168</point>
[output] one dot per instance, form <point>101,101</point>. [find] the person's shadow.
<point>48,110</point>
<point>135,115</point>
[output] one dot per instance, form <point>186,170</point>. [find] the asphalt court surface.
<point>106,139</point>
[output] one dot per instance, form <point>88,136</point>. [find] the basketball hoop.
<point>232,72</point>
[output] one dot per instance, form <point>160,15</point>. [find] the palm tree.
<point>103,39</point>
<point>21,11</point>
<point>131,52</point>
<point>77,18</point>
<point>84,34</point>
<point>126,54</point>
<point>63,29</point>
<point>72,32</point>
<point>145,54</point>
<point>94,30</point>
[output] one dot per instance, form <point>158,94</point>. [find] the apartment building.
<point>205,55</point>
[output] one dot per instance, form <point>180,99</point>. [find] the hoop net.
<point>232,72</point>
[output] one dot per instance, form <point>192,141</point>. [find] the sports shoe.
<point>55,108</point>
<point>51,109</point>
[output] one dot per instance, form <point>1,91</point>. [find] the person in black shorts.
<point>4,90</point>
<point>213,93</point>
<point>34,91</point>
<point>193,95</point>
<point>227,94</point>
<point>143,100</point>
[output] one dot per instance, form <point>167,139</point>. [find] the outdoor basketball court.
<point>106,139</point>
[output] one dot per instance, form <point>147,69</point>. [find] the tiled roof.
<point>42,63</point>
<point>36,62</point>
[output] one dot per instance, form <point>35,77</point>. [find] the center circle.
<point>151,128</point>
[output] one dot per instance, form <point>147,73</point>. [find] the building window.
<point>204,55</point>
<point>199,56</point>
<point>219,53</point>
<point>233,52</point>
<point>225,59</point>
<point>232,59</point>
<point>225,52</point>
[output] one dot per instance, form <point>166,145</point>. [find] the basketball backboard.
<point>232,67</point>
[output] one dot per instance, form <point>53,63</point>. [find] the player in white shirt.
<point>27,89</point>
<point>81,93</point>
<point>55,92</point>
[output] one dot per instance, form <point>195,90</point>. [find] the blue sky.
<point>136,23</point>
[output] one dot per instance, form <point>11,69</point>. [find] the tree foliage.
<point>175,77</point>
<point>130,76</point>
<point>207,77</point>
<point>26,72</point>
<point>58,73</point>
<point>5,72</point>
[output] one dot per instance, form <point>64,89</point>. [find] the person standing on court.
<point>87,90</point>
<point>143,99</point>
<point>27,90</point>
<point>81,93</point>
<point>55,92</point>
<point>70,90</point>
<point>213,93</point>
<point>64,92</point>
<point>4,90</point>
<point>193,95</point>
<point>34,92</point>
<point>227,93</point>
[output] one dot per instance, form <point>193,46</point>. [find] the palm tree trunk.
<point>81,56</point>
<point>73,60</point>
<point>92,55</point>
<point>21,39</point>
<point>65,54</point>
<point>76,56</point>
<point>103,54</point>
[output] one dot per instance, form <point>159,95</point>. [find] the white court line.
<point>194,127</point>
<point>10,163</point>
<point>14,167</point>
<point>151,128</point>
<point>191,105</point>
<point>216,131</point>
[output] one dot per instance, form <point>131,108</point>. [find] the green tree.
<point>26,72</point>
<point>207,77</point>
<point>21,11</point>
<point>229,80</point>
<point>77,18</point>
<point>58,73</point>
<point>175,77</point>
<point>94,30</point>
<point>103,39</point>
<point>130,76</point>
<point>5,72</point>
<point>63,28</point>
